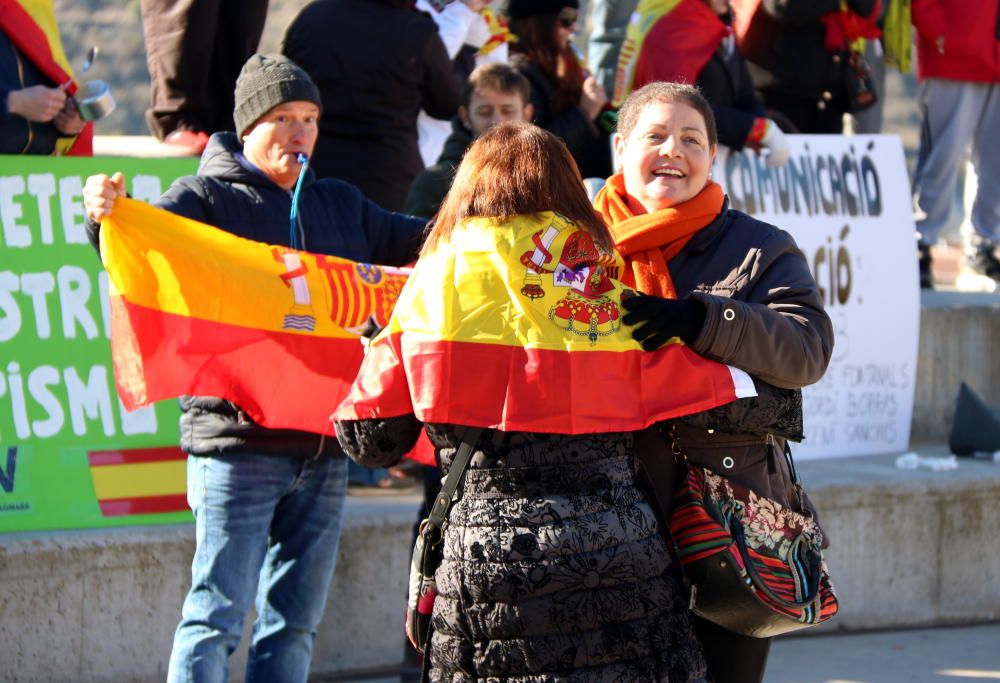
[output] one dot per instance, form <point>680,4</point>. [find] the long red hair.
<point>516,169</point>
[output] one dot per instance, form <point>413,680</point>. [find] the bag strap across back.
<point>450,485</point>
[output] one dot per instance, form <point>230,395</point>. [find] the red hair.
<point>516,169</point>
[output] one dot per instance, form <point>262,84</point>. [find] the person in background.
<point>37,115</point>
<point>694,43</point>
<point>194,50</point>
<point>734,289</point>
<point>958,65</point>
<point>869,121</point>
<point>494,93</point>
<point>799,53</point>
<point>467,36</point>
<point>268,504</point>
<point>553,565</point>
<point>567,100</point>
<point>377,63</point>
<point>609,21</point>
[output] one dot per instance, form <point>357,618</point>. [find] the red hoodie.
<point>971,30</point>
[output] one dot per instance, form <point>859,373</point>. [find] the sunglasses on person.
<point>568,17</point>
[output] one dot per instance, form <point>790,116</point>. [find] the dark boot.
<point>924,260</point>
<point>982,259</point>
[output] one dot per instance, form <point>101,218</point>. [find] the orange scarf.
<point>648,241</point>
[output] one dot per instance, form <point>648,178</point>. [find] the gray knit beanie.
<point>265,82</point>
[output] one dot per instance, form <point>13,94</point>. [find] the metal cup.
<point>94,100</point>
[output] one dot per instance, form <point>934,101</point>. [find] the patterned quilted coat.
<point>554,568</point>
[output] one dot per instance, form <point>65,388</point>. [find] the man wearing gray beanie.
<point>267,503</point>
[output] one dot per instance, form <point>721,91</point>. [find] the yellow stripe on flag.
<point>139,479</point>
<point>164,262</point>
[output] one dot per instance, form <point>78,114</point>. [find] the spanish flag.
<point>31,26</point>
<point>516,325</point>
<point>139,481</point>
<point>666,40</point>
<point>197,310</point>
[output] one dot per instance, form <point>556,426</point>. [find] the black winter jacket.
<point>590,148</point>
<point>794,61</point>
<point>376,67</point>
<point>18,135</point>
<point>726,84</point>
<point>430,187</point>
<point>335,219</point>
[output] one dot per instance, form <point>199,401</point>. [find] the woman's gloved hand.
<point>775,142</point>
<point>659,320</point>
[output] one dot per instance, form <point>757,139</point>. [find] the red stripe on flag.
<point>121,507</point>
<point>529,389</point>
<point>282,380</point>
<point>135,455</point>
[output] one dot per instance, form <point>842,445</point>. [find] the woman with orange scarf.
<point>734,289</point>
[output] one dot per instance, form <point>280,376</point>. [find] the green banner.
<point>70,456</point>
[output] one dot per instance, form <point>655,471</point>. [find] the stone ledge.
<point>910,548</point>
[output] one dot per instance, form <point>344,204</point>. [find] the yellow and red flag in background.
<point>197,310</point>
<point>517,326</point>
<point>31,26</point>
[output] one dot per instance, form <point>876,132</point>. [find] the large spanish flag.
<point>197,310</point>
<point>516,325</point>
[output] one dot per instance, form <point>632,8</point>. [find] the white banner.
<point>846,200</point>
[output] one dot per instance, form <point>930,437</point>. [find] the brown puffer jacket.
<point>765,316</point>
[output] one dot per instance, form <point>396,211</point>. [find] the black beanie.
<point>265,82</point>
<point>517,9</point>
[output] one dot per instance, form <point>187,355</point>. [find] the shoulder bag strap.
<point>458,464</point>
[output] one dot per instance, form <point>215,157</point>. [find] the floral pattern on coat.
<point>554,567</point>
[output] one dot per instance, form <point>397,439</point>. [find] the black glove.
<point>663,319</point>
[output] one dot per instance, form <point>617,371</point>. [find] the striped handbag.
<point>755,567</point>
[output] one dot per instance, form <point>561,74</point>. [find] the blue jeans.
<point>265,525</point>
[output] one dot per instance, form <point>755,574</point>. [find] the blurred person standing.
<point>195,50</point>
<point>609,20</point>
<point>268,503</point>
<point>566,98</point>
<point>494,93</point>
<point>800,53</point>
<point>692,42</point>
<point>465,29</point>
<point>37,112</point>
<point>377,63</point>
<point>958,65</point>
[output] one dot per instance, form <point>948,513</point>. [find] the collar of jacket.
<point>703,239</point>
<point>219,161</point>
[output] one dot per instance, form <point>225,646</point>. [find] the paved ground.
<point>968,654</point>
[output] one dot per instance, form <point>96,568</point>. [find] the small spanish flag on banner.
<point>197,310</point>
<point>139,481</point>
<point>517,326</point>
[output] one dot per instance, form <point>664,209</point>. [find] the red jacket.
<point>971,30</point>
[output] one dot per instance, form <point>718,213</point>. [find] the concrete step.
<point>910,547</point>
<point>958,331</point>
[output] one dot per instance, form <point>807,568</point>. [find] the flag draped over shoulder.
<point>197,310</point>
<point>517,326</point>
<point>670,41</point>
<point>31,26</point>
